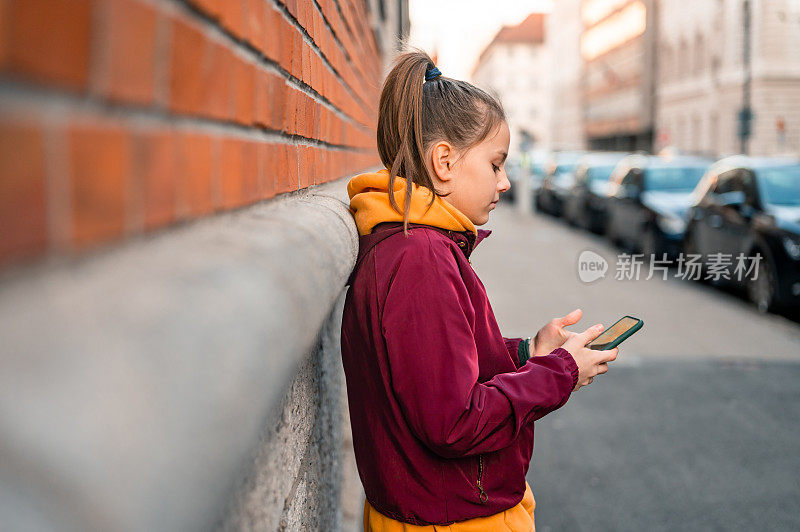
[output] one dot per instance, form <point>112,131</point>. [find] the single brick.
<point>286,32</point>
<point>289,123</point>
<point>130,31</point>
<point>304,156</point>
<point>5,27</point>
<point>254,18</point>
<point>186,79</point>
<point>250,168</point>
<point>212,8</point>
<point>244,93</point>
<point>100,162</point>
<point>49,40</point>
<point>218,81</point>
<point>195,156</point>
<point>291,7</point>
<point>272,33</point>
<point>232,16</point>
<point>278,90</point>
<point>261,109</point>
<point>23,219</point>
<point>266,170</point>
<point>308,55</point>
<point>232,178</point>
<point>297,53</point>
<point>288,178</point>
<point>156,171</point>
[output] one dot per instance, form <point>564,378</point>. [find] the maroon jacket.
<point>441,407</point>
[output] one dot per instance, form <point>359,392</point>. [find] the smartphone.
<point>614,335</point>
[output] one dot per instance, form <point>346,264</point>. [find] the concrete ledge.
<point>134,383</point>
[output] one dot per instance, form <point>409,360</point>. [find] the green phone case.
<point>624,335</point>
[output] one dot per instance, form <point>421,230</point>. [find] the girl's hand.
<point>553,334</point>
<point>591,362</point>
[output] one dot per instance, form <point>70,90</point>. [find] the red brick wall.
<point>119,117</point>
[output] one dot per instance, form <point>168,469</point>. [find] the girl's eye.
<point>496,168</point>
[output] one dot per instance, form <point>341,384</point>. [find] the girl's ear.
<point>441,160</point>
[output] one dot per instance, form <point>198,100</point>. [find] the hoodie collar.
<point>369,204</point>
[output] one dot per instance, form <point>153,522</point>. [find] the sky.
<point>460,29</point>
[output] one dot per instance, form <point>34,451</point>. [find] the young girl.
<point>441,404</point>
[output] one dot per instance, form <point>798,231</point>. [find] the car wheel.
<point>762,290</point>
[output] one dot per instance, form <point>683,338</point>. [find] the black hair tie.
<point>432,73</point>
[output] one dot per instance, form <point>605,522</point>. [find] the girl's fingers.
<point>609,355</point>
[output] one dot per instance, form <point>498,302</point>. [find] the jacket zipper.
<point>483,496</point>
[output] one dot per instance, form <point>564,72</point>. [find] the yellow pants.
<point>516,519</point>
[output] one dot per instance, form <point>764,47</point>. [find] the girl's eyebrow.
<point>504,154</point>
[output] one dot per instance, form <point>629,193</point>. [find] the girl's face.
<point>475,179</point>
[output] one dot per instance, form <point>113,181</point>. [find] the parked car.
<point>585,205</point>
<point>558,179</point>
<point>647,202</point>
<point>751,205</point>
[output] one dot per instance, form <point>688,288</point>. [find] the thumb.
<point>571,318</point>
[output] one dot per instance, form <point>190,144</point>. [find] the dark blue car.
<point>648,200</point>
<point>748,206</point>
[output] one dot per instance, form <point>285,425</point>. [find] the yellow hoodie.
<point>369,204</point>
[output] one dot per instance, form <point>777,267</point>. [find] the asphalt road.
<point>694,427</point>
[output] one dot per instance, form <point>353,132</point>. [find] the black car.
<point>648,200</point>
<point>585,204</point>
<point>749,206</point>
<point>549,196</point>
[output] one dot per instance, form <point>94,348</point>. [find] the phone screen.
<point>612,333</point>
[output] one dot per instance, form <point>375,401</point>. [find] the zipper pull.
<point>483,496</point>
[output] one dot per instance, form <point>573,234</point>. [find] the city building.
<point>514,66</point>
<point>703,69</point>
<point>617,47</point>
<point>564,28</point>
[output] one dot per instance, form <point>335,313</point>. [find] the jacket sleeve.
<point>518,350</point>
<point>427,322</point>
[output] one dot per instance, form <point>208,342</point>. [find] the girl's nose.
<point>505,184</point>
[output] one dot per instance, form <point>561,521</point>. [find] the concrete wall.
<point>187,381</point>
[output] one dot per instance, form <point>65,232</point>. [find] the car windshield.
<point>780,184</point>
<point>673,178</point>
<point>599,173</point>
